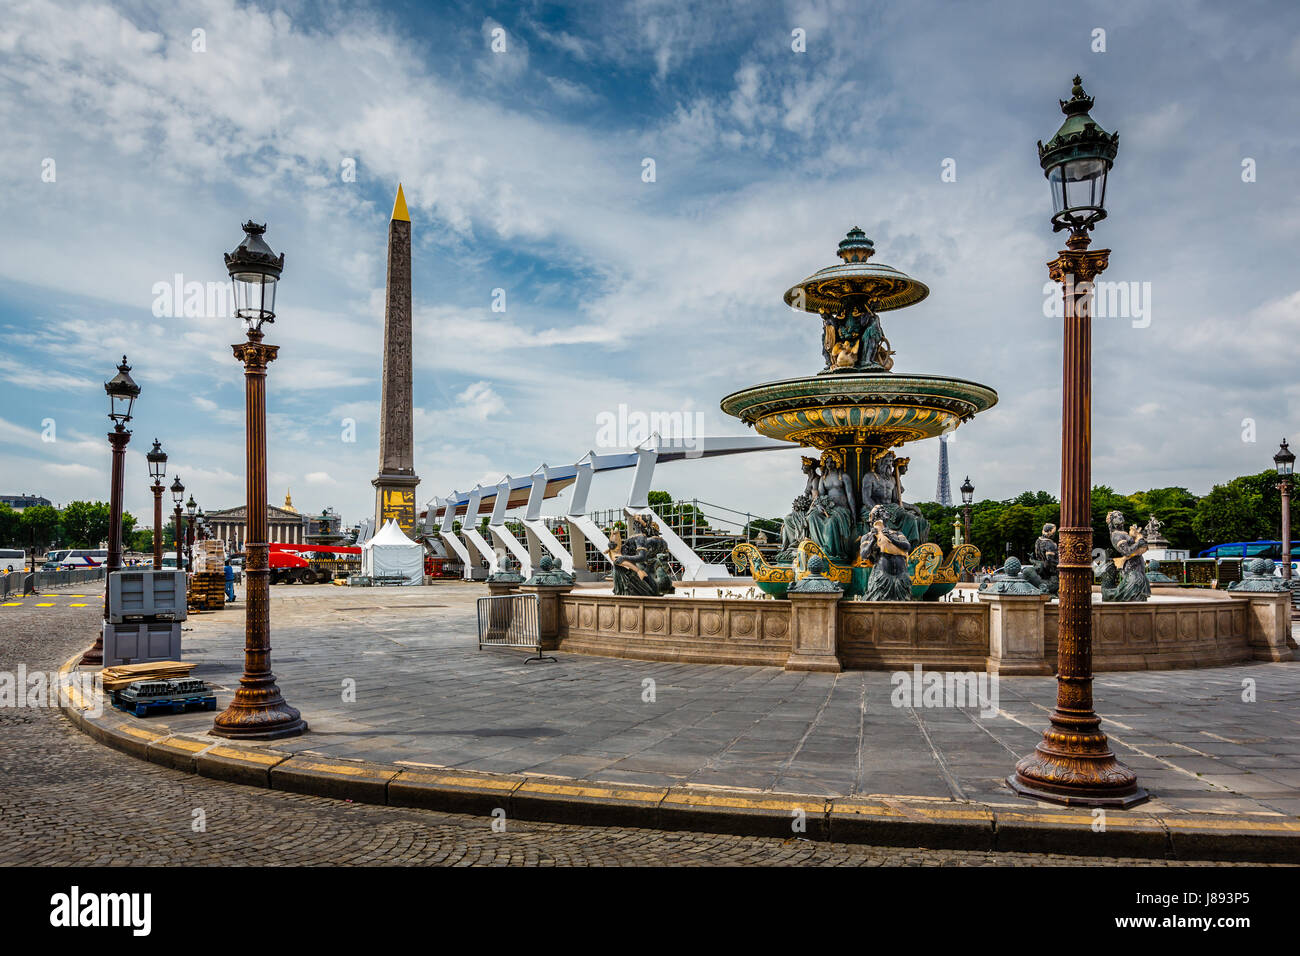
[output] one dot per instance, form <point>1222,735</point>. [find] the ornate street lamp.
<point>157,471</point>
<point>190,509</point>
<point>967,496</point>
<point>178,495</point>
<point>1073,763</point>
<point>1284,462</point>
<point>258,709</point>
<point>122,392</point>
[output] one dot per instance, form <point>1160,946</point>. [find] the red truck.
<point>312,564</point>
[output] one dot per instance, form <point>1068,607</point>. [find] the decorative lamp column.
<point>190,509</point>
<point>178,495</point>
<point>122,393</point>
<point>1073,764</point>
<point>157,471</point>
<point>967,496</point>
<point>1284,461</point>
<point>258,710</point>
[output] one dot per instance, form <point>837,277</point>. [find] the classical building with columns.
<point>283,526</point>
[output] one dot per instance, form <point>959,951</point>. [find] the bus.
<point>79,558</point>
<point>1250,549</point>
<point>12,559</point>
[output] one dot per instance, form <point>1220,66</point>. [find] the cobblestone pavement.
<point>66,800</point>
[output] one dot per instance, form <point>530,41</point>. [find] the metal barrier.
<point>18,583</point>
<point>510,620</point>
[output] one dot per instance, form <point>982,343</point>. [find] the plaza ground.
<point>426,696</point>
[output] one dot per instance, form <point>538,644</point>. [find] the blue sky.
<point>523,172</point>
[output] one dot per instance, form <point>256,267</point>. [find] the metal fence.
<point>18,583</point>
<point>510,620</point>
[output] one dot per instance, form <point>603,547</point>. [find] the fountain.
<point>853,413</point>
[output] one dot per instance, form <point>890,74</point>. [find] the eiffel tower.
<point>943,492</point>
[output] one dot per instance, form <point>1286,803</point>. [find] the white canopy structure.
<point>391,554</point>
<point>547,482</point>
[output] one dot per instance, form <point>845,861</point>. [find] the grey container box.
<point>146,596</point>
<point>141,642</point>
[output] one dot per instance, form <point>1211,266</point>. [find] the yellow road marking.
<point>12,604</point>
<point>45,605</point>
<point>78,605</point>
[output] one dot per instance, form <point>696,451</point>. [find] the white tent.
<point>390,554</point>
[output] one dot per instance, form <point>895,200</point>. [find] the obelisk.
<point>396,481</point>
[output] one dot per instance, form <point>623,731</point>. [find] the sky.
<point>140,135</point>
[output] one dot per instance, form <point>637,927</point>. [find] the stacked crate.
<point>145,610</point>
<point>208,582</point>
<point>207,590</point>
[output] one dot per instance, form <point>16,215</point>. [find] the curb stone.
<point>877,820</point>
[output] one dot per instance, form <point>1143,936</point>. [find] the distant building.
<point>19,502</point>
<point>282,526</point>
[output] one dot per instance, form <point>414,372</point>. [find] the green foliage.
<point>1247,508</point>
<point>141,540</point>
<point>39,525</point>
<point>10,527</point>
<point>86,523</point>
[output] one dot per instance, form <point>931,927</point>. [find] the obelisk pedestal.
<point>395,484</point>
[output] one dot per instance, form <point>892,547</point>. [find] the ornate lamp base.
<point>94,656</point>
<point>1077,769</point>
<point>258,714</point>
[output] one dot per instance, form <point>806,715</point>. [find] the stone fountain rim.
<point>837,382</point>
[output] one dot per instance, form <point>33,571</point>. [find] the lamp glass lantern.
<point>122,392</point>
<point>1076,162</point>
<point>967,491</point>
<point>254,271</point>
<point>178,491</point>
<point>191,506</point>
<point>1284,460</point>
<point>157,461</point>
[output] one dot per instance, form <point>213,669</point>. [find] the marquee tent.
<point>391,554</point>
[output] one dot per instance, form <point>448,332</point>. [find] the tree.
<point>1228,513</point>
<point>1016,526</point>
<point>40,526</point>
<point>86,523</point>
<point>141,541</point>
<point>10,527</point>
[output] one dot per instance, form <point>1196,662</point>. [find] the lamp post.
<point>122,392</point>
<point>967,496</point>
<point>1284,461</point>
<point>1073,764</point>
<point>258,709</point>
<point>157,471</point>
<point>178,495</point>
<point>190,509</point>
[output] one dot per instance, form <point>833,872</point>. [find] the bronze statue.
<point>1046,558</point>
<point>853,341</point>
<point>833,513</point>
<point>637,560</point>
<point>887,550</point>
<point>794,527</point>
<point>1013,578</point>
<point>1257,575</point>
<point>1124,578</point>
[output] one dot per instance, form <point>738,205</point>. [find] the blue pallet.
<point>144,708</point>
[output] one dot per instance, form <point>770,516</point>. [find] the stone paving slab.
<point>429,703</point>
<point>426,694</point>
